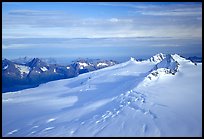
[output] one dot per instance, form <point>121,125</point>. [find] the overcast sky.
<point>100,29</point>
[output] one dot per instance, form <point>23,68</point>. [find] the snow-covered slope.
<point>23,69</point>
<point>115,101</point>
<point>157,58</point>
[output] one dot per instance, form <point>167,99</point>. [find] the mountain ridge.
<point>134,98</point>
<point>36,71</point>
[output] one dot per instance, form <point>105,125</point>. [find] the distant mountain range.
<point>24,73</point>
<point>195,59</point>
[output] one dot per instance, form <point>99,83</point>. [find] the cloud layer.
<point>101,24</point>
<point>178,20</point>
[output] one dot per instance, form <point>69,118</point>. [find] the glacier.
<point>161,96</point>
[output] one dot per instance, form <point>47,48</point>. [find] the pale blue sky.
<point>100,29</point>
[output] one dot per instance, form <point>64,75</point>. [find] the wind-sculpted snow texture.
<point>157,97</point>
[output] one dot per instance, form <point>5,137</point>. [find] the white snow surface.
<point>44,69</point>
<point>5,67</point>
<point>83,64</point>
<point>22,69</point>
<point>102,64</point>
<point>132,59</point>
<point>115,101</point>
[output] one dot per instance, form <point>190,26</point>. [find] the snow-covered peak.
<point>179,59</point>
<point>169,63</point>
<point>23,69</point>
<point>157,58</point>
<point>132,59</point>
<point>83,64</point>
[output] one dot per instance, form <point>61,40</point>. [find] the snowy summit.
<point>157,58</point>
